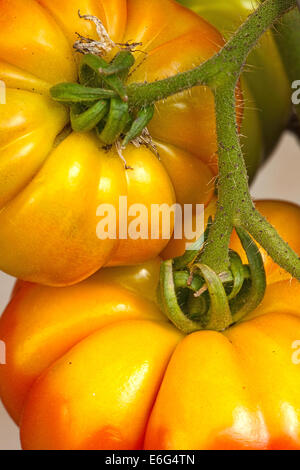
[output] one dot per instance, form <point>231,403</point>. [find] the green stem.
<point>227,64</point>
<point>235,206</point>
<point>233,190</point>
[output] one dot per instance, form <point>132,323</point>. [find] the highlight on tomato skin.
<point>98,366</point>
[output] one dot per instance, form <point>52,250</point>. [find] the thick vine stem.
<point>233,192</point>
<point>235,206</point>
<point>227,64</point>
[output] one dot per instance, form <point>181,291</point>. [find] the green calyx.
<point>194,297</point>
<point>100,100</point>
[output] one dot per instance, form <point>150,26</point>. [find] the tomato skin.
<point>97,365</point>
<point>52,183</point>
<point>136,380</point>
<point>52,331</point>
<point>246,399</point>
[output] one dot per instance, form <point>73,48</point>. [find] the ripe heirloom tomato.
<point>97,365</point>
<point>51,180</point>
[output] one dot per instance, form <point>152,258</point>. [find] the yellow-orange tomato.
<point>51,181</point>
<point>97,366</point>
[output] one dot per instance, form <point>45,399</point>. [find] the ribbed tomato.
<point>52,181</point>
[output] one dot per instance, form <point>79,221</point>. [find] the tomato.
<point>98,366</point>
<point>52,181</point>
<point>266,113</point>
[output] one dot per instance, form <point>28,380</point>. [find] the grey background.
<point>279,179</point>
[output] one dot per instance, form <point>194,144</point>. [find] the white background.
<point>279,179</point>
